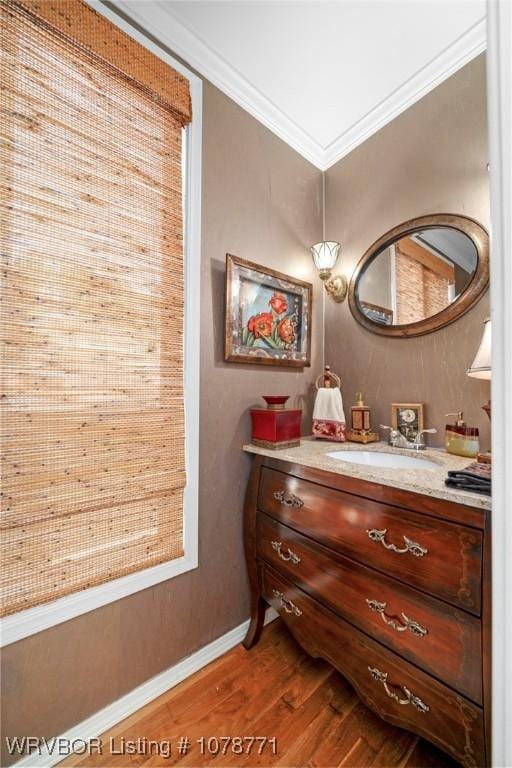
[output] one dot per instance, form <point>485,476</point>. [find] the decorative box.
<point>275,426</point>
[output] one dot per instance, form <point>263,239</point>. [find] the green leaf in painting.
<point>269,341</point>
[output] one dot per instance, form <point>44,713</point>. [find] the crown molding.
<point>158,19</point>
<point>460,52</point>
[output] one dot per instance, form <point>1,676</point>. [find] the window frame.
<point>32,620</point>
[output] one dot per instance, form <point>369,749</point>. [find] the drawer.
<point>442,558</point>
<point>395,689</point>
<point>439,638</point>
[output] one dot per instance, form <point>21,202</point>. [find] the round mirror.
<point>421,275</point>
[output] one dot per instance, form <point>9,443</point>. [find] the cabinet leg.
<point>258,607</point>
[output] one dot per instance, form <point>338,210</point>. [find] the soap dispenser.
<point>460,439</point>
<point>360,431</point>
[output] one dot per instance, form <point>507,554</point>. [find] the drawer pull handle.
<point>410,698</point>
<point>288,606</point>
<point>410,546</point>
<point>288,499</point>
<point>290,557</point>
<point>409,624</point>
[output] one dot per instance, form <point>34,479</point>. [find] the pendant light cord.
<point>323,207</point>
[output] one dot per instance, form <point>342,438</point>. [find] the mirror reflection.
<point>416,276</point>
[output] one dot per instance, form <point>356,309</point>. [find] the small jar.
<point>460,439</point>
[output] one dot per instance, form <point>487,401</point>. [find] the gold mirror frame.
<point>471,294</point>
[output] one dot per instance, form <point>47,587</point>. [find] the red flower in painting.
<point>278,303</point>
<point>261,325</point>
<point>286,331</point>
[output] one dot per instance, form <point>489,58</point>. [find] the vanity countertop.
<point>430,482</point>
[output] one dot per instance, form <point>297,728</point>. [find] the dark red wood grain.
<point>451,569</point>
<point>257,603</point>
<point>417,502</point>
<point>452,722</point>
<point>451,649</point>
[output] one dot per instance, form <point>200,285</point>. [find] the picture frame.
<point>407,418</point>
<point>267,316</point>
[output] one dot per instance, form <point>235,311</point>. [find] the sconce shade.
<point>325,255</point>
<point>481,366</point>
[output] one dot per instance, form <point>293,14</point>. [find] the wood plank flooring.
<point>274,690</point>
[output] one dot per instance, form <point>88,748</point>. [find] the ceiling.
<point>322,75</point>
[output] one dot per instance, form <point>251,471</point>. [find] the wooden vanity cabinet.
<point>389,586</point>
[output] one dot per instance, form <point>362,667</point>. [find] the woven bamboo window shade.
<point>92,427</point>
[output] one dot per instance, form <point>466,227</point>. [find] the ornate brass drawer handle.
<point>288,499</point>
<point>290,557</point>
<point>288,606</point>
<point>409,624</point>
<point>410,698</point>
<point>410,546</point>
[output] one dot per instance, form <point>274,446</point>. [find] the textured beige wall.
<point>260,201</point>
<point>430,159</point>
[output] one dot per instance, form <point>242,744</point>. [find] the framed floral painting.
<point>268,316</point>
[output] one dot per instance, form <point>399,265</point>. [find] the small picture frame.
<point>268,316</point>
<point>407,418</point>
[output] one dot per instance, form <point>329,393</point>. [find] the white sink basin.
<point>381,459</point>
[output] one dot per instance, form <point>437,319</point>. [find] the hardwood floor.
<point>274,690</point>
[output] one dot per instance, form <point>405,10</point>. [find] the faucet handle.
<point>394,434</point>
<point>392,430</point>
<point>418,440</point>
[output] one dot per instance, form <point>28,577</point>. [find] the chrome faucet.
<point>397,440</point>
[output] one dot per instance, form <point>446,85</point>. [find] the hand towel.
<point>328,415</point>
<point>476,478</point>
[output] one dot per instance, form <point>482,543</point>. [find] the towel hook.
<point>327,377</point>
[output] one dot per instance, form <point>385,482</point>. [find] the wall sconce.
<point>325,256</point>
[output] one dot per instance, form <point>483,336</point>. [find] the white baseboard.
<point>108,717</point>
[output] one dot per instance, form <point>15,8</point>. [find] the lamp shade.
<point>325,254</point>
<point>481,366</point>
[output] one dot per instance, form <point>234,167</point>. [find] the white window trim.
<point>41,617</point>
